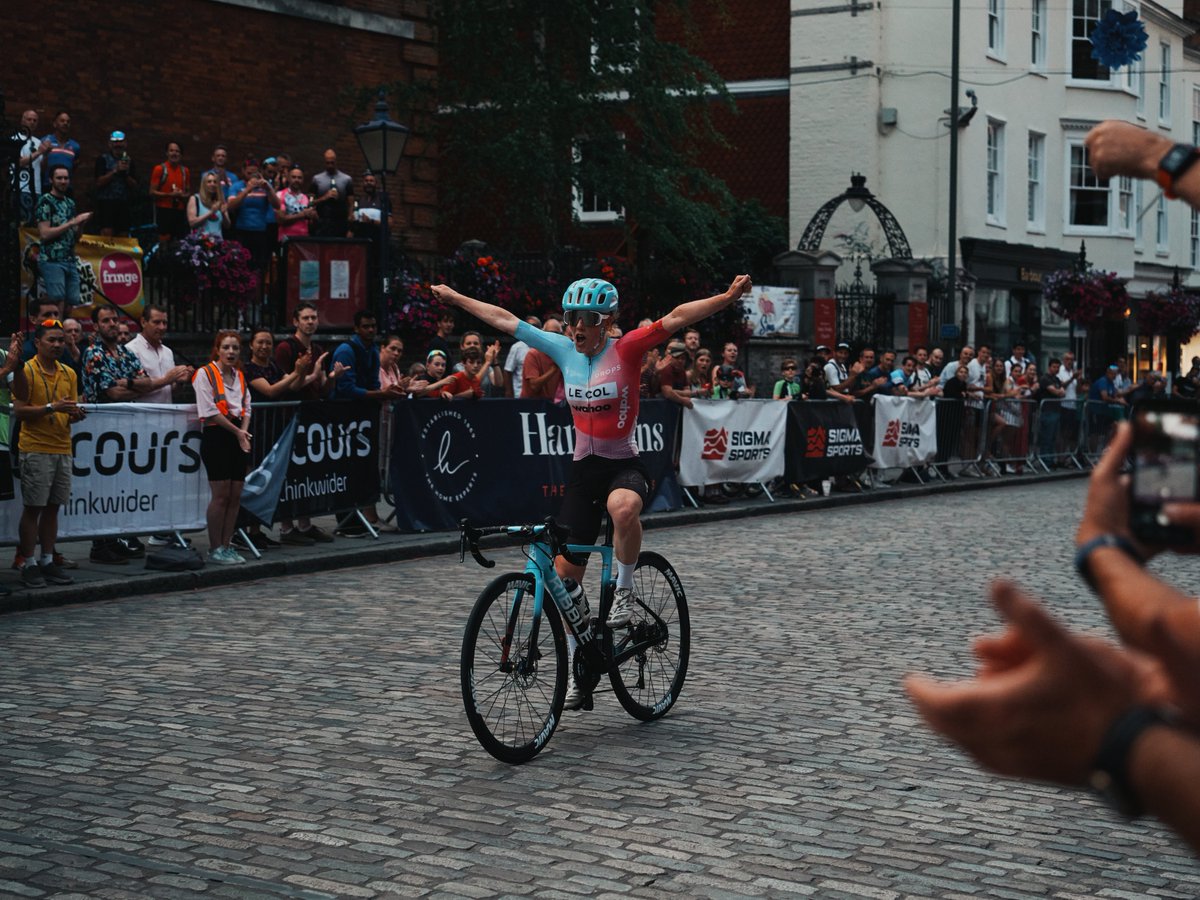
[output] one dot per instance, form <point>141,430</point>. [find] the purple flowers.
<point>217,265</point>
<point>1086,297</point>
<point>1175,313</point>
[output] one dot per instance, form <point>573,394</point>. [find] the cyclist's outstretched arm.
<point>686,314</point>
<point>500,319</point>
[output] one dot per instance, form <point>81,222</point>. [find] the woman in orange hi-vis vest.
<point>223,403</point>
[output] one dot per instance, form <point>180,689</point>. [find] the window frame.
<point>1070,146</point>
<point>995,184</point>
<point>596,216</point>
<point>1035,182</point>
<point>1037,35</point>
<point>995,30</point>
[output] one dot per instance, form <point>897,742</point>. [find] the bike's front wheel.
<point>513,681</point>
<point>648,683</point>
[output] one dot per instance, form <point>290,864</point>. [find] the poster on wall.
<point>773,310</point>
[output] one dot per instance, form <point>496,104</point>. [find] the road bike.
<point>514,668</point>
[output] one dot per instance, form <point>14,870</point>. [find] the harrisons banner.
<point>823,441</point>
<point>318,458</point>
<point>136,469</point>
<point>504,462</point>
<point>740,441</point>
<point>905,432</point>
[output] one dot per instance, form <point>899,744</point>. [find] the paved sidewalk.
<point>101,582</point>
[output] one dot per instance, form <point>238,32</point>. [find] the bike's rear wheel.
<point>648,683</point>
<point>514,701</point>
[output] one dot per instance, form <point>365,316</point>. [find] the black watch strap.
<point>1110,771</point>
<point>1083,556</point>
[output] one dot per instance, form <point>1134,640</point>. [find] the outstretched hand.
<point>740,286</point>
<point>445,294</point>
<point>1042,697</point>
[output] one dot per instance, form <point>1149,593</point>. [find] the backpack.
<point>174,559</point>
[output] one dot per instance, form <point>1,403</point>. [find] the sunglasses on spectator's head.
<point>587,317</point>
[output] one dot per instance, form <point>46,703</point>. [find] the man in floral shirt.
<point>112,374</point>
<point>59,228</point>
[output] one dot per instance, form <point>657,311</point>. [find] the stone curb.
<point>364,552</point>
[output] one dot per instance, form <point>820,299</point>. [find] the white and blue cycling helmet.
<point>589,295</point>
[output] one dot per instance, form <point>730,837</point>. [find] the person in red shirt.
<point>170,186</point>
<point>464,385</point>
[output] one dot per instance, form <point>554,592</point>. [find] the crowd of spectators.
<point>263,203</point>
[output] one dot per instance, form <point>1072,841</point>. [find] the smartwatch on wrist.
<point>1110,770</point>
<point>1178,160</point>
<point>1083,556</point>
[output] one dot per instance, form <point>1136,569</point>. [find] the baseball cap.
<point>117,136</point>
<point>676,349</point>
<point>842,345</point>
<point>822,347</point>
<point>1114,368</point>
<point>269,161</point>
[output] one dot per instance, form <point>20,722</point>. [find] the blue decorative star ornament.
<point>1118,39</point>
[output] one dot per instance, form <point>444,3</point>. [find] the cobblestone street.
<point>305,737</point>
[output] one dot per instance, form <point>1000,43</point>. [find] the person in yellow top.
<point>46,414</point>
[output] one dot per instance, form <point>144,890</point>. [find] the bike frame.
<point>540,566</point>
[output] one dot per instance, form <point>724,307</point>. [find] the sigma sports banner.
<point>498,462</point>
<point>136,470</point>
<point>824,441</point>
<point>741,441</point>
<point>316,459</point>
<point>110,269</point>
<point>905,432</point>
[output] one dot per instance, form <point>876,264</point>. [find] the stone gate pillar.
<point>908,281</point>
<point>813,274</point>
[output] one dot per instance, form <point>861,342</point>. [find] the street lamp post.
<point>382,143</point>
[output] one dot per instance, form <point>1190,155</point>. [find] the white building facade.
<point>870,92</point>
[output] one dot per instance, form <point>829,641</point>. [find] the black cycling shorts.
<point>592,479</point>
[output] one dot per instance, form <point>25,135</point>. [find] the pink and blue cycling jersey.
<point>602,390</point>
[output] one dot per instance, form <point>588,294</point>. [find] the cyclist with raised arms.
<point>601,379</point>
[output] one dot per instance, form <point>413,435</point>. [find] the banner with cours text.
<point>498,462</point>
<point>312,459</point>
<point>823,441</point>
<point>136,470</point>
<point>905,432</point>
<point>740,441</point>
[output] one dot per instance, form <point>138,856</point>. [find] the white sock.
<point>625,574</point>
<point>46,559</point>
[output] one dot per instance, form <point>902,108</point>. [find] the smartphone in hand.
<point>1166,468</point>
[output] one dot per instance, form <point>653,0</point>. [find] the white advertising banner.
<point>905,432</point>
<point>773,310</point>
<point>136,470</point>
<point>732,440</point>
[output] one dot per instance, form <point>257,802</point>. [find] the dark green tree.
<point>541,98</point>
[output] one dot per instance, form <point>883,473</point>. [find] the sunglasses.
<point>789,368</point>
<point>586,317</point>
<point>51,323</point>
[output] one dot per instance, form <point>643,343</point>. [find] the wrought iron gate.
<point>865,317</point>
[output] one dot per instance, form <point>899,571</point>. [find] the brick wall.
<point>204,73</point>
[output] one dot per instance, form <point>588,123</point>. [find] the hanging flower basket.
<point>217,267</point>
<point>1175,313</point>
<point>1086,298</point>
